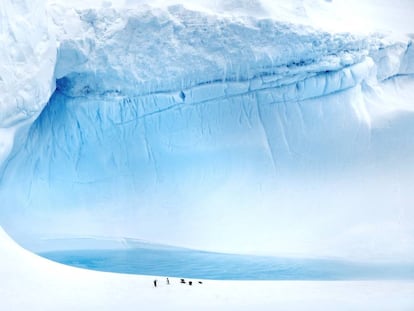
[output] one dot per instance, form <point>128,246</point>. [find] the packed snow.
<point>33,283</point>
<point>266,127</point>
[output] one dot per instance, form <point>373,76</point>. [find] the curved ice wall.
<point>213,131</point>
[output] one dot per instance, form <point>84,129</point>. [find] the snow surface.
<point>33,283</point>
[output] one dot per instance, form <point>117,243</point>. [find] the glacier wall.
<point>217,132</point>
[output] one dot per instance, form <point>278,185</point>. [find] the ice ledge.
<point>270,89</point>
<point>178,56</point>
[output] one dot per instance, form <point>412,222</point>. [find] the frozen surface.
<point>34,283</point>
<point>149,259</point>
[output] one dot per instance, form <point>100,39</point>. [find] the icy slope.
<point>238,132</point>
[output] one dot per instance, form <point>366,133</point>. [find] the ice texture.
<point>232,132</point>
<point>28,57</point>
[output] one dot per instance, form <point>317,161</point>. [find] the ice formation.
<point>241,127</point>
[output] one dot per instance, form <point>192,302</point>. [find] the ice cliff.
<point>226,128</point>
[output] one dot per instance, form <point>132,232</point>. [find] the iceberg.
<point>237,127</point>
<point>259,127</point>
